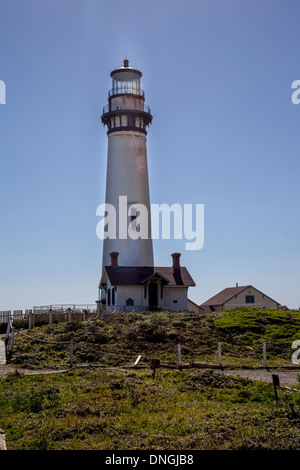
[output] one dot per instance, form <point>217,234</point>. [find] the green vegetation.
<point>178,410</point>
<point>113,407</point>
<point>120,338</point>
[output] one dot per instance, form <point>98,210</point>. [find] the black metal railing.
<point>127,90</point>
<point>122,107</point>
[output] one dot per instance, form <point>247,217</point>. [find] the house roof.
<point>137,275</point>
<point>225,295</point>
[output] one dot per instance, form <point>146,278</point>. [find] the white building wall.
<point>130,292</point>
<point>127,102</point>
<point>261,300</point>
<point>136,293</point>
<point>122,293</point>
<point>175,293</point>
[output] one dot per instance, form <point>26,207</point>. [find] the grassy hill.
<point>120,338</point>
<point>116,407</point>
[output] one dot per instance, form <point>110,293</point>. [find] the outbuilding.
<point>238,297</point>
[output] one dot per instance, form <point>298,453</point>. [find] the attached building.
<point>238,297</point>
<point>143,288</point>
<point>193,307</point>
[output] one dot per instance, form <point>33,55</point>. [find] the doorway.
<point>153,295</point>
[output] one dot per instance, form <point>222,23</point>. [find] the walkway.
<point>287,378</point>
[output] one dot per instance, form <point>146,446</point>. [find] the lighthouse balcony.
<point>120,119</point>
<point>126,105</point>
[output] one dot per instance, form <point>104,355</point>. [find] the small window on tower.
<point>130,120</point>
<point>133,215</point>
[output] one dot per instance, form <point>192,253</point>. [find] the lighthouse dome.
<point>126,71</point>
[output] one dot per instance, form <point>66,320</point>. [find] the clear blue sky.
<point>217,76</point>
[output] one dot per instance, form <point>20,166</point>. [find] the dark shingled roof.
<point>136,275</point>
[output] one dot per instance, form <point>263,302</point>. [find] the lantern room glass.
<point>126,82</point>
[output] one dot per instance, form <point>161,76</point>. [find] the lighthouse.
<point>129,277</point>
<point>127,117</point>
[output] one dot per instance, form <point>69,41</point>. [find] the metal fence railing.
<point>63,312</point>
<point>141,107</point>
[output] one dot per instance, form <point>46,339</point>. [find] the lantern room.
<point>126,80</point>
<point>126,108</point>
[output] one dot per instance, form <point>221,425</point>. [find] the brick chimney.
<point>114,259</point>
<point>176,261</point>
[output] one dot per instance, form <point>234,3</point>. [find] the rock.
<point>2,440</point>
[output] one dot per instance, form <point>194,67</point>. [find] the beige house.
<point>238,297</point>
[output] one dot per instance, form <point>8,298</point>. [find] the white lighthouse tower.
<point>129,279</point>
<point>126,117</point>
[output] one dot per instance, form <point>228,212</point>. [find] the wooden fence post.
<point>50,316</point>
<point>179,355</point>
<point>71,352</point>
<point>69,312</point>
<point>220,355</point>
<point>99,309</point>
<point>154,364</point>
<point>7,331</point>
<point>12,339</point>
<point>276,383</point>
<point>264,354</point>
<point>30,320</point>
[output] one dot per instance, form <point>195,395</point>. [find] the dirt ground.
<point>286,378</point>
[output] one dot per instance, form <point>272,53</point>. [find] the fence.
<point>48,314</point>
<point>61,308</point>
<point>218,356</point>
<point>6,315</point>
<point>44,314</point>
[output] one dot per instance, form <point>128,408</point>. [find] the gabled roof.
<point>176,277</point>
<point>154,276</point>
<point>225,295</point>
<point>137,275</point>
